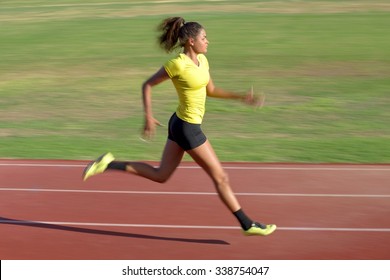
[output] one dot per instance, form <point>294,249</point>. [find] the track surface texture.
<point>323,212</point>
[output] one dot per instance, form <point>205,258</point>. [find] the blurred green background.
<point>71,73</point>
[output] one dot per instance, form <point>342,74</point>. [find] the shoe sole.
<point>91,164</point>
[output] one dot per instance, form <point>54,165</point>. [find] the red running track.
<point>322,211</point>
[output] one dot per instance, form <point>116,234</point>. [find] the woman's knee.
<point>221,179</point>
<point>163,176</point>
<point>162,179</point>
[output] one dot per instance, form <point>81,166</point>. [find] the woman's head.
<point>178,33</point>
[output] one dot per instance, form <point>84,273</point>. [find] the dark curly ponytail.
<point>175,32</point>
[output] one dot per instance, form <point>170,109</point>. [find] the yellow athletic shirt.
<point>190,81</point>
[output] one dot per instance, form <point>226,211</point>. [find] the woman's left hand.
<point>149,128</point>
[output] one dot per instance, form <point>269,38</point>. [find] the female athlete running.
<point>189,72</point>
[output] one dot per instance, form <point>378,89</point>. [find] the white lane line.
<point>320,168</point>
<point>197,193</point>
<point>18,222</point>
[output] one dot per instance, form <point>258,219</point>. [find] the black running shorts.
<point>187,135</point>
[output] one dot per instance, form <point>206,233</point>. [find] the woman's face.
<point>200,42</point>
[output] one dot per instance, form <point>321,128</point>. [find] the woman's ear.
<point>191,41</point>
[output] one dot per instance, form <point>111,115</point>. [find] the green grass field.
<point>71,73</point>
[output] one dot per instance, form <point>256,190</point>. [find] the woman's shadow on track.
<point>107,232</point>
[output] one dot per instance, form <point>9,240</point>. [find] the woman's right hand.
<point>256,100</point>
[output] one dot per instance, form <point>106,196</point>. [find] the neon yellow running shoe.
<point>259,229</point>
<point>98,166</point>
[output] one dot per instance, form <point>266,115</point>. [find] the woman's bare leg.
<point>205,156</point>
<point>171,158</point>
